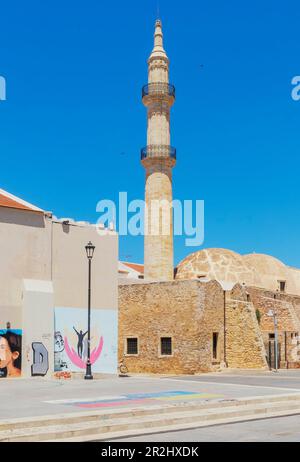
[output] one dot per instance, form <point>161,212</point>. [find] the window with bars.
<point>132,346</point>
<point>166,346</point>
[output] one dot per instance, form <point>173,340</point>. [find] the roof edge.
<point>16,199</point>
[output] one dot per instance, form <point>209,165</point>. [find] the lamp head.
<point>90,248</point>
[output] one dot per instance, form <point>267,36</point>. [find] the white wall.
<point>24,254</point>
<point>37,324</point>
<point>70,267</point>
<point>36,252</point>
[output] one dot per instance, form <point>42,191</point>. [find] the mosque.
<point>217,309</point>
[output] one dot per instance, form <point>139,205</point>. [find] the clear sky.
<point>73,123</point>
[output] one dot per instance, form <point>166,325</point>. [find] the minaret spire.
<point>158,36</point>
<point>158,49</point>
<point>158,158</point>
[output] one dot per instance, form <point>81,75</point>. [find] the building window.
<point>215,345</point>
<point>132,346</point>
<point>166,346</point>
<point>282,286</point>
<point>271,336</point>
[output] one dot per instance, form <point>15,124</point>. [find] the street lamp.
<point>89,253</point>
<point>272,314</point>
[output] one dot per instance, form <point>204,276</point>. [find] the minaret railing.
<point>160,151</point>
<point>157,89</point>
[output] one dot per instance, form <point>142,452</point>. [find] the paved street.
<point>284,378</point>
<point>283,429</point>
<point>35,397</point>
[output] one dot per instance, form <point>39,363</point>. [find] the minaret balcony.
<point>158,90</point>
<point>158,151</point>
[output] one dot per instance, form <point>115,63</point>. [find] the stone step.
<point>169,428</point>
<point>108,428</point>
<point>104,414</point>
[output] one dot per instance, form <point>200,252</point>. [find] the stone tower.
<point>158,158</point>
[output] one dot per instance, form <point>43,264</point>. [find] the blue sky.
<point>73,123</point>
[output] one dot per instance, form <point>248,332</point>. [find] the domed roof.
<point>271,271</point>
<point>265,264</point>
<point>294,280</point>
<point>220,264</point>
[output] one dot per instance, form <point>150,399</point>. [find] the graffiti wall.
<point>70,340</point>
<point>10,352</point>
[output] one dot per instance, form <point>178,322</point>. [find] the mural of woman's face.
<point>7,358</point>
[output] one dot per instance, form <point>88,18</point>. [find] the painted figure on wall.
<point>71,340</point>
<point>78,359</point>
<point>10,353</point>
<point>80,336</point>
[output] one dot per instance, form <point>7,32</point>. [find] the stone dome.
<point>220,264</point>
<point>271,271</point>
<point>294,275</point>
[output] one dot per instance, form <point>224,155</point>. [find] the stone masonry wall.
<point>244,343</point>
<point>213,321</point>
<point>187,311</point>
<point>287,308</point>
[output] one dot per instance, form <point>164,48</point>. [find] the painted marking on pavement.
<point>77,400</point>
<point>112,403</point>
<point>194,396</point>
<point>136,398</point>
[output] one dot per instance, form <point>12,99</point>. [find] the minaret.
<point>158,158</point>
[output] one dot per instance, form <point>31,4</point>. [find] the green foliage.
<point>258,315</point>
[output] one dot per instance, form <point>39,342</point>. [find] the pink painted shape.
<point>97,351</point>
<point>113,403</point>
<point>73,356</point>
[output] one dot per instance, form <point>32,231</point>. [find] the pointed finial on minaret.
<point>158,49</point>
<point>158,35</point>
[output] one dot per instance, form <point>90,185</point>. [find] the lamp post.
<point>89,253</point>
<point>272,314</point>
